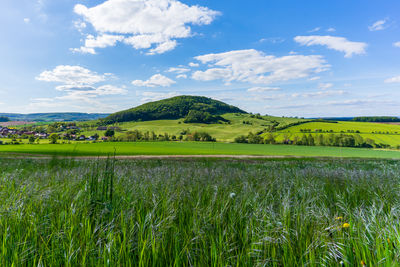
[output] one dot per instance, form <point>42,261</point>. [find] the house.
<point>91,138</point>
<point>82,138</point>
<point>102,128</point>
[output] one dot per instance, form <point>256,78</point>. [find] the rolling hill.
<point>194,108</point>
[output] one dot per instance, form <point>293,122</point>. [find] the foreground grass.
<point>199,213</point>
<point>194,148</point>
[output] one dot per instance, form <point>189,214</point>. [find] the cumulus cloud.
<point>255,67</point>
<point>178,70</point>
<point>181,76</point>
<point>335,43</point>
<point>101,41</point>
<point>262,89</point>
<point>397,44</point>
<point>378,26</point>
<point>71,75</point>
<point>325,86</point>
<point>145,24</point>
<point>154,96</point>
<point>193,65</point>
<point>79,83</point>
<point>156,80</point>
<point>319,94</point>
<point>393,80</point>
<point>315,29</point>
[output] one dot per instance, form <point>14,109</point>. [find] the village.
<point>35,134</point>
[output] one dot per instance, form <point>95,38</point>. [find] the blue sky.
<point>287,58</point>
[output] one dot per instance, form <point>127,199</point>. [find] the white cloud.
<point>154,96</point>
<point>315,29</point>
<point>255,67</point>
<point>360,102</point>
<point>331,29</point>
<point>79,83</point>
<point>146,24</point>
<point>397,44</point>
<point>378,26</point>
<point>178,70</point>
<point>71,75</point>
<point>27,20</point>
<point>181,76</point>
<point>80,25</point>
<point>263,89</point>
<point>314,78</point>
<point>325,86</point>
<point>100,41</point>
<point>155,81</point>
<point>336,43</point>
<point>193,65</point>
<point>273,40</point>
<point>393,80</point>
<point>319,94</point>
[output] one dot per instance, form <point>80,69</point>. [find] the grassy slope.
<point>195,148</point>
<point>223,132</point>
<point>366,130</point>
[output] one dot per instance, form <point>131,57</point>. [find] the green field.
<point>222,132</point>
<point>380,133</point>
<point>199,213</point>
<point>193,148</point>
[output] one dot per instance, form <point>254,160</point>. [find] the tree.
<point>270,139</point>
<point>31,139</point>
<point>53,138</point>
<point>109,133</point>
<point>96,136</point>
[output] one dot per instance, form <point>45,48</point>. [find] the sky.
<point>309,58</point>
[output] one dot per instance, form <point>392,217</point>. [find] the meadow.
<point>222,132</point>
<point>288,212</point>
<point>191,148</point>
<point>379,132</point>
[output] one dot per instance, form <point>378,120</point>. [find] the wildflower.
<point>231,195</point>
<point>339,218</point>
<point>363,263</point>
<point>346,225</point>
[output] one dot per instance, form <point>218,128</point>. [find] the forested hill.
<point>377,119</point>
<point>197,107</point>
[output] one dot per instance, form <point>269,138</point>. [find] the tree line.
<point>339,140</point>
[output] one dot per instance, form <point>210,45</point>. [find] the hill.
<point>49,117</point>
<point>196,109</point>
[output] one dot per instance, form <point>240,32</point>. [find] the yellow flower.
<point>363,263</point>
<point>346,225</point>
<point>339,218</point>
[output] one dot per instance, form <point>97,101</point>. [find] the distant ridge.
<point>57,116</point>
<point>174,108</point>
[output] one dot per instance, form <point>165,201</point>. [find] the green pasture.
<point>222,132</point>
<point>194,148</point>
<point>363,127</point>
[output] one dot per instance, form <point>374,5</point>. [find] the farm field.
<point>199,212</point>
<point>193,148</point>
<point>363,127</point>
<point>380,133</point>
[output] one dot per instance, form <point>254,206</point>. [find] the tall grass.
<point>199,213</point>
